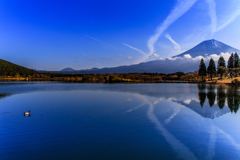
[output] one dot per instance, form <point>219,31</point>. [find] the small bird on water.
<point>27,113</point>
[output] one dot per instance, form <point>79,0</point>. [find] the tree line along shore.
<point>231,70</point>
<point>210,74</point>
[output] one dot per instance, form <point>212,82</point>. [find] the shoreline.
<point>77,80</point>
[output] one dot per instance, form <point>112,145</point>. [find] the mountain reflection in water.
<point>227,98</point>
<point>119,121</point>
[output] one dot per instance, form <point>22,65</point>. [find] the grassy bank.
<point>216,80</point>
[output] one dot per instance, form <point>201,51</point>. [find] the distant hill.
<point>94,68</point>
<point>160,66</point>
<point>72,71</point>
<point>8,68</point>
<point>68,70</point>
<point>207,48</point>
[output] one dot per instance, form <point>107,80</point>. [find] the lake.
<point>118,121</point>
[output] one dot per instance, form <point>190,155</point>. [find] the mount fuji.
<point>207,48</point>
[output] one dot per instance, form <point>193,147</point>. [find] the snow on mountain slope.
<point>207,48</point>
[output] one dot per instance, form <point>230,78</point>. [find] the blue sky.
<point>84,34</point>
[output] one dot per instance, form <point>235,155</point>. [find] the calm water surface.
<point>118,121</point>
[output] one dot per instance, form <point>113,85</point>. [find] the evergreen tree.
<point>236,64</point>
<point>202,69</point>
<point>211,68</point>
<point>221,66</point>
<point>230,65</point>
<point>231,61</point>
<point>236,60</point>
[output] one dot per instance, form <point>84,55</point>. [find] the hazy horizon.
<point>54,35</point>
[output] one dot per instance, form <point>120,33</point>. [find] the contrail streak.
<point>140,51</point>
<point>213,15</point>
<point>176,45</point>
<point>94,38</point>
<point>181,7</point>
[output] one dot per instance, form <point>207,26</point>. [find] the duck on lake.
<point>27,113</point>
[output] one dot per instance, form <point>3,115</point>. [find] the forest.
<point>14,70</point>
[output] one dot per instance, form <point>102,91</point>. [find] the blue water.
<point>118,121</point>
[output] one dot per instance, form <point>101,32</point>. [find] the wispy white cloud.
<point>154,55</point>
<point>176,45</point>
<point>94,39</point>
<point>188,57</point>
<point>180,8</point>
<point>129,57</point>
<point>213,15</point>
<point>230,18</point>
<point>140,51</point>
<point>227,19</point>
